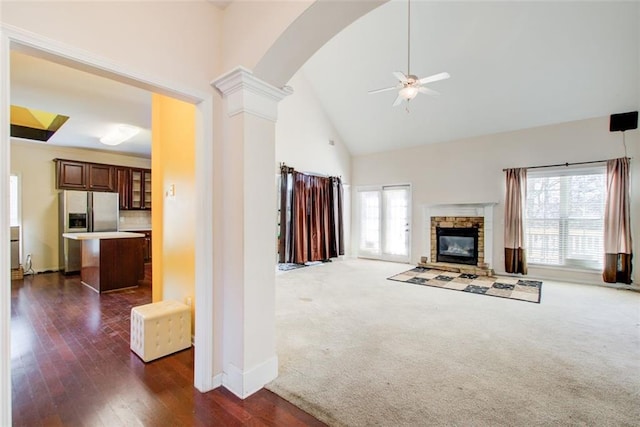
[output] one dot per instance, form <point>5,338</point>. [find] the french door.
<point>385,220</point>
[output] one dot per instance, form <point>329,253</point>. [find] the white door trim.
<point>16,38</point>
<point>5,266</point>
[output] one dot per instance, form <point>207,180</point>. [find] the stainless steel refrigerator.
<point>82,212</point>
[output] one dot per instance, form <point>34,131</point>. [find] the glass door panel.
<point>136,189</point>
<point>396,222</point>
<point>147,189</point>
<point>385,223</point>
<point>369,223</point>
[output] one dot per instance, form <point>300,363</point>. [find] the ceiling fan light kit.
<point>410,85</point>
<point>408,92</point>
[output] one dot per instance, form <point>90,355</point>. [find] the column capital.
<point>245,93</point>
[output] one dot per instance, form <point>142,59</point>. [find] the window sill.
<point>568,269</point>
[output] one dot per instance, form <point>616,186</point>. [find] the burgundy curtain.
<point>617,223</point>
<point>311,225</point>
<point>285,233</point>
<point>515,260</point>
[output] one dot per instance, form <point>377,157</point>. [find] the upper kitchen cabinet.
<point>76,175</point>
<point>123,185</point>
<point>132,184</point>
<point>140,189</point>
<point>100,177</point>
<point>147,189</point>
<point>71,175</point>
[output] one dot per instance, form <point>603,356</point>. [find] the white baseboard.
<point>244,384</point>
<point>216,381</point>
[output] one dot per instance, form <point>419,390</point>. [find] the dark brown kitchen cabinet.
<point>100,177</point>
<point>71,175</point>
<point>146,251</point>
<point>147,246</point>
<point>140,189</point>
<point>75,175</point>
<point>132,184</point>
<point>147,189</point>
<point>123,186</point>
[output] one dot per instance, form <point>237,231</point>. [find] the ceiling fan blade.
<point>435,78</point>
<point>428,91</point>
<point>400,76</point>
<point>398,101</point>
<point>383,90</point>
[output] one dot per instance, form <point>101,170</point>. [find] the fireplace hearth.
<point>457,245</point>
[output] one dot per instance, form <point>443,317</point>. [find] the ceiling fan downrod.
<point>408,85</point>
<point>408,37</point>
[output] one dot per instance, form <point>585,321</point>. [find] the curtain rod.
<point>565,164</point>
<point>283,165</point>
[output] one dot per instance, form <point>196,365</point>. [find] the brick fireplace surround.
<point>460,216</point>
<point>458,222</point>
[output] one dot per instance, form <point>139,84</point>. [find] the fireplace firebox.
<point>457,245</point>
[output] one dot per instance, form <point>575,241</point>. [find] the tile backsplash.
<point>132,219</point>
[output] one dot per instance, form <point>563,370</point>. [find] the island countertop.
<point>100,235</point>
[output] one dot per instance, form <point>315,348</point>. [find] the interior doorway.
<point>385,223</point>
<point>44,48</point>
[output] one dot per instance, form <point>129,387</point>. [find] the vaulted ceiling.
<point>513,65</point>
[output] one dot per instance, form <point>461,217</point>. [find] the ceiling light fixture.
<point>408,92</point>
<point>119,134</point>
<point>409,85</point>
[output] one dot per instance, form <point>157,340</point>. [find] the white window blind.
<point>564,217</point>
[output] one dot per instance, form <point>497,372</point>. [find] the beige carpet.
<point>356,349</point>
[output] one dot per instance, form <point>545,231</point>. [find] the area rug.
<point>502,287</point>
<point>289,266</point>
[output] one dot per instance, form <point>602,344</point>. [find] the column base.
<point>244,384</point>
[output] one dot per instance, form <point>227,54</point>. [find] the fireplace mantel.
<point>459,209</point>
<point>483,209</point>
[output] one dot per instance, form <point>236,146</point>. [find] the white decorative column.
<point>5,266</point>
<point>248,231</point>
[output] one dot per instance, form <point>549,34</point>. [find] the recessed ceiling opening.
<point>38,125</point>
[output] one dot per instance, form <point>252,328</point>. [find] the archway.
<point>299,39</point>
<point>246,356</point>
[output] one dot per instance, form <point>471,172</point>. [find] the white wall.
<point>303,132</point>
<point>250,28</point>
<point>33,163</point>
<point>177,42</point>
<point>470,171</point>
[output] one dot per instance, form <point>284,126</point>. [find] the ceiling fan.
<point>410,85</point>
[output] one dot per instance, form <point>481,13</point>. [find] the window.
<point>14,219</point>
<point>564,217</point>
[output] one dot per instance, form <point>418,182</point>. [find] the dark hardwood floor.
<point>72,366</point>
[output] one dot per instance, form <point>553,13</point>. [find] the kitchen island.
<point>110,260</point>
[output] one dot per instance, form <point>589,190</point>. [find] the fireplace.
<point>457,245</point>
